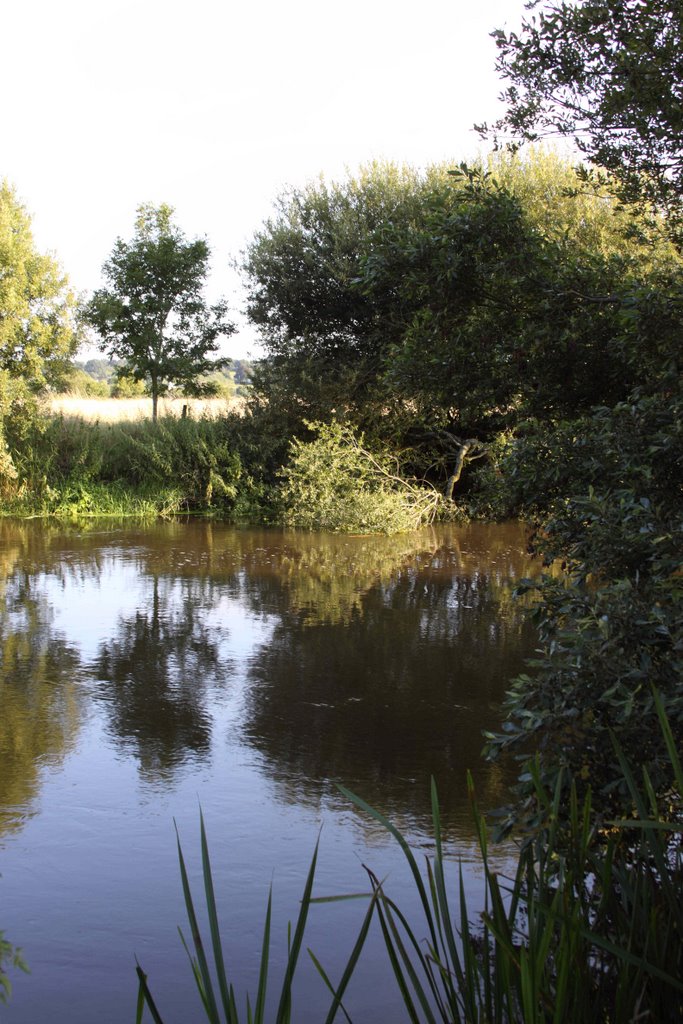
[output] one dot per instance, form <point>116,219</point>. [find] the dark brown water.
<point>148,670</point>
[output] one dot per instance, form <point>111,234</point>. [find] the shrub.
<point>194,456</point>
<point>614,626</point>
<point>334,482</point>
<point>79,382</point>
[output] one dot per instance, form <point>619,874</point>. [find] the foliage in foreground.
<point>607,491</point>
<point>589,927</point>
<point>206,985</point>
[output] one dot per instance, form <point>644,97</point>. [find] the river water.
<point>150,670</point>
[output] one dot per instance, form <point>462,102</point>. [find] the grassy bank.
<point>70,466</point>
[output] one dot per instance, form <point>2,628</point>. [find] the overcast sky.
<point>214,106</point>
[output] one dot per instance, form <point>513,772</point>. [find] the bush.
<point>69,466</point>
<point>194,456</point>
<point>128,387</point>
<point>614,626</point>
<point>334,483</point>
<point>79,382</point>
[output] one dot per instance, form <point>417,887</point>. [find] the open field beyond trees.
<point>117,410</point>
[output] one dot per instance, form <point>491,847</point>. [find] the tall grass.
<point>589,927</point>
<point>211,974</point>
<point>69,467</point>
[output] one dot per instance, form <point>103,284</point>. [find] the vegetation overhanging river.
<point>149,669</point>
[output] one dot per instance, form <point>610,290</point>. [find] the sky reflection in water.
<point>147,669</point>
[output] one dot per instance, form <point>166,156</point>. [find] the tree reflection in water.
<point>385,657</point>
<point>153,676</point>
<point>40,698</point>
<point>382,681</point>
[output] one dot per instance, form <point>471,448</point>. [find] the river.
<point>151,670</point>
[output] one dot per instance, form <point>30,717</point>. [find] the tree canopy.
<point>436,300</point>
<point>38,333</point>
<point>609,75</point>
<point>153,315</point>
<point>37,308</point>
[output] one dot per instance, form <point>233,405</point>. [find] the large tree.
<point>153,315</point>
<point>37,325</point>
<point>609,75</point>
<point>404,300</point>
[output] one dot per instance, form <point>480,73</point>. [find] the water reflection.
<point>251,668</point>
<point>404,688</point>
<point>373,661</point>
<point>39,694</point>
<point>153,676</point>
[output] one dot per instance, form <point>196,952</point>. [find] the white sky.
<point>214,106</point>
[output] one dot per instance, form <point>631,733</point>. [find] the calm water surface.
<point>148,670</point>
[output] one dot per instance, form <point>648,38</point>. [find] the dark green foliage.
<point>409,304</point>
<point>636,444</point>
<point>608,74</point>
<point>323,336</point>
<point>588,928</point>
<point>613,626</point>
<point>496,320</point>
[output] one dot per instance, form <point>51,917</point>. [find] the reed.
<point>589,927</point>
<point>211,975</point>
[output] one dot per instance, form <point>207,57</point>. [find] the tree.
<point>609,75</point>
<point>153,315</point>
<point>37,323</point>
<point>323,336</point>
<point>38,332</point>
<point>606,484</point>
<point>404,300</point>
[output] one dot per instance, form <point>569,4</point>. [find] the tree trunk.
<point>472,449</point>
<point>155,401</point>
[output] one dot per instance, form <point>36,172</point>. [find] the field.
<point>114,410</point>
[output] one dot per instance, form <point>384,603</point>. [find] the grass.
<point>69,467</point>
<point>117,410</point>
<point>589,928</point>
<point>216,991</point>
